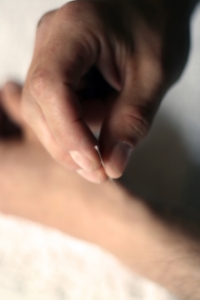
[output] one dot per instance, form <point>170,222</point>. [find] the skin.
<point>130,51</point>
<point>45,192</point>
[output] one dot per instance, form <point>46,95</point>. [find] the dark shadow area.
<point>163,175</point>
<point>8,129</point>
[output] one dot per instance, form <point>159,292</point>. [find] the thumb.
<point>126,124</point>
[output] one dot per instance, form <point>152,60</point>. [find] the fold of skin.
<point>35,187</point>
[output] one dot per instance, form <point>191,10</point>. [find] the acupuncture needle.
<point>101,159</point>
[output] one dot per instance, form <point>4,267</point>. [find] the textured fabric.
<point>37,263</point>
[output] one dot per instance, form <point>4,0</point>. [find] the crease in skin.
<point>101,159</point>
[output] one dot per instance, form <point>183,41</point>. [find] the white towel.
<point>39,263</point>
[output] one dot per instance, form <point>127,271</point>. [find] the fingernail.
<point>95,177</point>
<point>83,161</point>
<point>119,158</point>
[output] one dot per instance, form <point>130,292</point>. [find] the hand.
<point>105,64</point>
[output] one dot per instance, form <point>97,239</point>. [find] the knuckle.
<point>71,8</point>
<point>69,11</point>
<point>135,122</point>
<point>46,18</point>
<point>79,11</point>
<point>39,82</point>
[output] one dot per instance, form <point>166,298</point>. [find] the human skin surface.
<point>138,48</point>
<point>106,214</point>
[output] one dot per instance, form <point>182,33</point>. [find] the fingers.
<point>58,65</point>
<point>130,118</point>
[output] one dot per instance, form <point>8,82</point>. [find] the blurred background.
<point>165,170</point>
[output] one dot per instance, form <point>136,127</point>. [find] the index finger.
<point>56,70</point>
